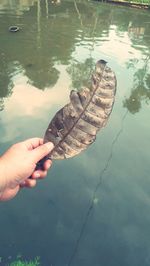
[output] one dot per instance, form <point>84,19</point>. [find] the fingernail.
<point>37,175</point>
<point>49,145</point>
<point>48,164</point>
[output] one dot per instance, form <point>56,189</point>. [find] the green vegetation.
<point>130,2</point>
<point>142,2</point>
<point>20,262</point>
<point>138,1</point>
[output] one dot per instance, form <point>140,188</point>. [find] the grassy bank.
<point>134,3</point>
<point>20,262</point>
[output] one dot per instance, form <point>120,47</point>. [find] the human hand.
<point>18,163</point>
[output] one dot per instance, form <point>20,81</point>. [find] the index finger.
<point>33,143</point>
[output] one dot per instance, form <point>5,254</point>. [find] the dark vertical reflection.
<point>139,31</point>
<point>141,86</point>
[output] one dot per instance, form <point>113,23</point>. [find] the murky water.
<point>55,49</point>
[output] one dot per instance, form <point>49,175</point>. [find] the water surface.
<point>54,51</point>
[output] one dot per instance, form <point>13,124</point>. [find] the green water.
<point>54,51</point>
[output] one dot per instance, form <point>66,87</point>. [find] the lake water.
<point>54,51</point>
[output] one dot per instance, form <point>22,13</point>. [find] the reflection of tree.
<point>139,31</point>
<point>49,35</point>
<point>135,32</point>
<point>1,104</point>
<point>80,73</point>
<point>141,90</point>
<point>41,77</point>
<point>45,38</point>
<point>5,84</point>
<point>4,78</point>
<point>18,6</point>
<point>4,88</point>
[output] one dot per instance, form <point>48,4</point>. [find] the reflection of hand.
<point>18,163</point>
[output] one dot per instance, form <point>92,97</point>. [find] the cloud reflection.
<point>26,99</point>
<point>29,103</point>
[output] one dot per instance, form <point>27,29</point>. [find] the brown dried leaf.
<point>74,127</point>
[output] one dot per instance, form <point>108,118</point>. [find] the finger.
<point>30,183</point>
<point>39,174</point>
<point>33,143</point>
<point>41,151</point>
<point>47,164</point>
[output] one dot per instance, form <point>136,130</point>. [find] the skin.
<point>18,163</point>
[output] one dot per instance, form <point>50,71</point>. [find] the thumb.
<point>41,151</point>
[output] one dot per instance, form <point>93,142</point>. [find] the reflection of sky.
<point>27,98</point>
<point>28,101</point>
<point>119,48</point>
